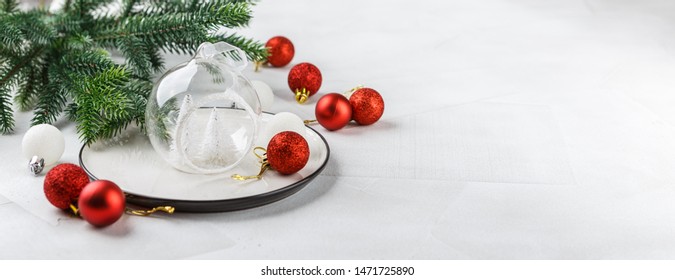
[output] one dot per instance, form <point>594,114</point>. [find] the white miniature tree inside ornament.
<point>211,150</point>
<point>181,138</point>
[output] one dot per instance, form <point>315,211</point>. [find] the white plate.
<point>149,181</point>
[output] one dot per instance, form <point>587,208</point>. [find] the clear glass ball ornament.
<point>203,115</point>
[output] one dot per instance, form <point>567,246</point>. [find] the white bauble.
<point>283,121</point>
<point>44,141</point>
<point>265,94</point>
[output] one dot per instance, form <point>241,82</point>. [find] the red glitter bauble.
<point>304,80</point>
<point>63,184</point>
<point>287,152</point>
<point>101,203</point>
<point>281,51</point>
<point>367,106</point>
<point>333,111</point>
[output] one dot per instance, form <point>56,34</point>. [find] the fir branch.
<point>8,6</point>
<point>7,81</point>
<point>51,99</point>
<point>9,34</point>
<point>83,8</point>
<point>67,5</point>
<point>50,104</point>
<point>135,91</point>
<point>162,29</point>
<point>193,4</point>
<point>214,14</point>
<point>137,56</point>
<point>86,63</point>
<point>109,129</point>
<point>34,28</point>
<point>66,24</point>
<point>6,112</point>
<point>25,97</point>
<point>156,59</point>
<point>6,76</point>
<point>71,111</point>
<point>255,51</point>
<point>101,105</point>
<point>138,91</point>
<point>160,7</point>
<point>163,32</point>
<point>128,7</point>
<point>79,42</point>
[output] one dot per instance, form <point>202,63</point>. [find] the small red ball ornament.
<point>63,184</point>
<point>287,152</point>
<point>304,80</point>
<point>281,51</point>
<point>333,111</point>
<point>101,203</point>
<point>367,106</point>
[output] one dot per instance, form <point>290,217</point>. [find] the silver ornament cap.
<point>36,165</point>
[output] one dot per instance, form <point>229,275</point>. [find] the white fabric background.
<point>513,129</point>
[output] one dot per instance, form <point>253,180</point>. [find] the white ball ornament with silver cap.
<point>43,145</point>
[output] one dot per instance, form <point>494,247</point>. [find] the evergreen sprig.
<point>59,62</point>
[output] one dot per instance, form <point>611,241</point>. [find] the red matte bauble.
<point>367,106</point>
<point>333,111</point>
<point>101,203</point>
<point>304,76</point>
<point>281,51</point>
<point>63,184</point>
<point>287,152</point>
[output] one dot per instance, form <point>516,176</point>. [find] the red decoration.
<point>367,106</point>
<point>333,111</point>
<point>304,80</point>
<point>101,203</point>
<point>281,51</point>
<point>287,152</point>
<point>63,184</point>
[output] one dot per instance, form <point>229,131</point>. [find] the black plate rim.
<point>224,205</point>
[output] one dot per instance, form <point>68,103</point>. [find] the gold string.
<point>138,212</point>
<point>263,167</point>
<point>74,209</point>
<point>263,156</point>
<point>353,90</point>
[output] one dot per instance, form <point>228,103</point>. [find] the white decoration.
<point>180,140</point>
<point>265,94</point>
<point>211,148</point>
<point>283,121</point>
<point>44,141</point>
